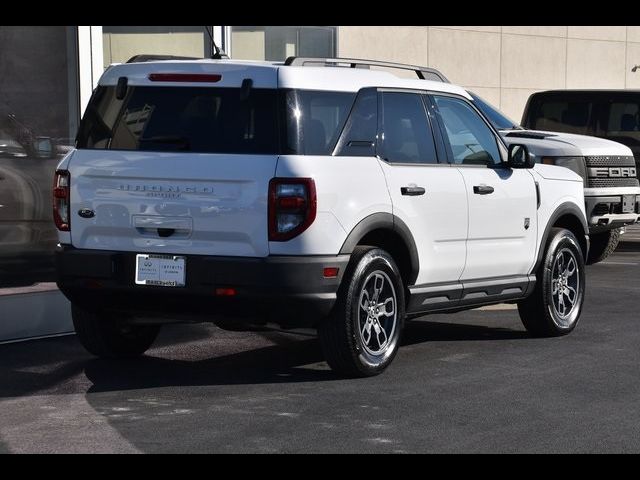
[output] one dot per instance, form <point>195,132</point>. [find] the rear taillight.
<point>61,201</point>
<point>292,207</point>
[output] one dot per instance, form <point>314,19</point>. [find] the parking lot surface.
<point>468,382</point>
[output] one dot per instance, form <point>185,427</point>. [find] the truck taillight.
<point>292,207</point>
<point>61,200</point>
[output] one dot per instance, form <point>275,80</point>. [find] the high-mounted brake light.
<point>292,207</point>
<point>61,200</point>
<point>185,77</point>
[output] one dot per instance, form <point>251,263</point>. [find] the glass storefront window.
<point>39,115</point>
<point>123,42</point>
<point>279,42</point>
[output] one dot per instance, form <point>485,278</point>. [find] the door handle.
<point>483,190</point>
<point>412,191</point>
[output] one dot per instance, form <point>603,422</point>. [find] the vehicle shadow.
<point>61,366</point>
<point>628,246</point>
<point>421,331</point>
<point>292,360</point>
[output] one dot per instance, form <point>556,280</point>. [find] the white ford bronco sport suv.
<point>343,199</point>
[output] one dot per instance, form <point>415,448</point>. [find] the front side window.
<point>471,140</point>
<point>407,135</point>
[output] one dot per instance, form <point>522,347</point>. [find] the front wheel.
<point>362,335</point>
<point>603,244</point>
<point>554,307</point>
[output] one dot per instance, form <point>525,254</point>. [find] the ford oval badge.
<point>87,213</point>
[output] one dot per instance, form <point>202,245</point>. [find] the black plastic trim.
<point>291,287</point>
<point>378,221</point>
<point>563,209</point>
<point>463,295</point>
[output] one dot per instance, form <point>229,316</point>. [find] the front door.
<point>502,201</point>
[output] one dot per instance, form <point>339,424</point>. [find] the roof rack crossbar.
<point>421,72</point>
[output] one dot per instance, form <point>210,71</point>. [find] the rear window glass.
<point>562,116</point>
<point>205,120</point>
<point>215,120</point>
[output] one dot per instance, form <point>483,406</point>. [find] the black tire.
<point>544,313</point>
<point>342,334</point>
<point>110,335</point>
<point>602,245</point>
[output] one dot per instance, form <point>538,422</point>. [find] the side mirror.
<point>519,157</point>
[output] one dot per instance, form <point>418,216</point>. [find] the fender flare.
<point>388,221</point>
<point>566,208</point>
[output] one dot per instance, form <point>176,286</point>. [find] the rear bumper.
<point>605,213</point>
<point>289,291</point>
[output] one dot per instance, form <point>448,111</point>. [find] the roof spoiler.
<point>152,58</point>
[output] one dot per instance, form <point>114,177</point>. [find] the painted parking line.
<point>619,263</point>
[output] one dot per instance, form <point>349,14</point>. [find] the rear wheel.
<point>362,335</point>
<point>111,335</point>
<point>554,307</point>
<point>602,245</point>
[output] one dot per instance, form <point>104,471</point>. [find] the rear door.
<point>176,163</point>
<point>428,196</point>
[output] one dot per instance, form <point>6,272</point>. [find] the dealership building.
<point>49,73</point>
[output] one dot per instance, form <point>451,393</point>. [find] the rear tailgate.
<point>176,159</point>
<point>204,204</point>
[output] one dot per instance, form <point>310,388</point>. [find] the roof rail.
<point>423,73</point>
<point>153,58</point>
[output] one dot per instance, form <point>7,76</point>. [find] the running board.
<point>468,294</point>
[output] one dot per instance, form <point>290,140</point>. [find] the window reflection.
<point>38,120</point>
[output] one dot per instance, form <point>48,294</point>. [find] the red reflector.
<point>185,77</point>
<point>225,292</point>
<point>331,272</point>
<point>291,203</point>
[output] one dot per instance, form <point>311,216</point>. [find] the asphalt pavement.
<point>467,382</point>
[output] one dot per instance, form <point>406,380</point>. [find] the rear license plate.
<point>628,203</point>
<point>160,270</point>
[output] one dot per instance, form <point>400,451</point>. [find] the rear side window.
<point>182,119</point>
<point>359,136</point>
<point>314,120</point>
<point>407,135</point>
<point>569,116</point>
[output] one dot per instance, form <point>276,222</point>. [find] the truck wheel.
<point>554,307</point>
<point>107,335</point>
<point>362,335</point>
<point>602,245</point>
